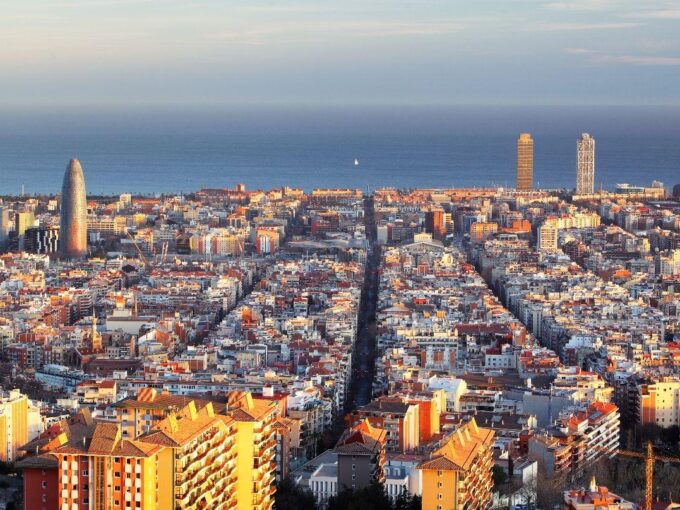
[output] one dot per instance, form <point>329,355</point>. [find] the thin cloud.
<point>660,14</point>
<point>573,27</point>
<point>598,57</point>
<point>579,51</point>
<point>582,5</point>
<point>641,60</point>
<point>301,32</point>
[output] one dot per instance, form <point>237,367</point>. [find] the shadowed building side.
<point>73,235</point>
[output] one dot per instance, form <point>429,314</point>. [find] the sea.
<point>179,149</point>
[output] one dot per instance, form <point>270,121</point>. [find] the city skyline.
<point>340,254</point>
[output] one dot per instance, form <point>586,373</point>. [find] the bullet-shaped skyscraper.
<point>525,162</point>
<point>73,235</point>
<point>585,165</point>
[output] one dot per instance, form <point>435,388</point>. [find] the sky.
<point>88,52</point>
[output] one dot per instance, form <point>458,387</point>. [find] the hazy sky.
<point>345,51</point>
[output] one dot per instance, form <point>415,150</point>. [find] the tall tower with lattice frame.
<point>585,165</point>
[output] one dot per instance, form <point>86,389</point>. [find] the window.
<point>44,484</point>
<point>84,472</point>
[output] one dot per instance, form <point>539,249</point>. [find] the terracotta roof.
<point>178,429</point>
<point>45,461</point>
<point>440,464</point>
<point>462,446</point>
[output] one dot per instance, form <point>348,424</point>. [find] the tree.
<point>372,497</point>
<point>290,496</point>
<point>407,502</point>
<point>527,492</point>
<point>499,477</point>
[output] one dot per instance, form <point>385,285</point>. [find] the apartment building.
<point>190,458</point>
<point>360,456</point>
<point>401,421</point>
<point>457,474</point>
<point>256,443</point>
<point>13,424</point>
<point>659,402</point>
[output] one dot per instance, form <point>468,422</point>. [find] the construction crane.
<point>139,250</point>
<point>164,252</point>
<point>650,457</point>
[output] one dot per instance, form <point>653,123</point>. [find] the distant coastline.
<point>182,150</point>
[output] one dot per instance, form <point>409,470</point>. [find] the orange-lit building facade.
<point>435,223</point>
<point>659,402</point>
<point>525,162</point>
<point>191,458</point>
<point>457,474</point>
<point>481,230</point>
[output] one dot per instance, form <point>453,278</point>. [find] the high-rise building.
<point>659,402</point>
<point>457,474</point>
<point>255,440</point>
<point>585,165</point>
<point>13,424</point>
<point>73,235</point>
<point>41,240</point>
<point>23,220</point>
<point>525,162</point>
<point>547,236</point>
<point>4,223</point>
<point>435,223</point>
<point>187,456</point>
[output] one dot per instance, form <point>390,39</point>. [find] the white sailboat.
<point>356,162</point>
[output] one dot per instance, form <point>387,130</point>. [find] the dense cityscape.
<point>443,349</point>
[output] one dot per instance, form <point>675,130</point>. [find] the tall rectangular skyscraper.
<point>525,162</point>
<point>585,165</point>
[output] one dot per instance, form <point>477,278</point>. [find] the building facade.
<point>525,162</point>
<point>73,235</point>
<point>457,475</point>
<point>585,165</point>
<point>13,424</point>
